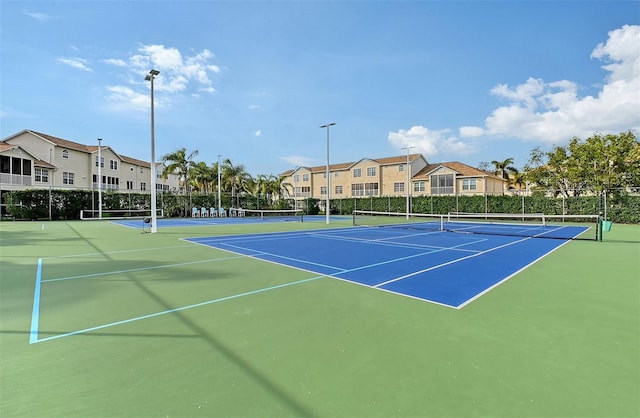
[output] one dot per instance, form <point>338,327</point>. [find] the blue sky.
<point>468,81</point>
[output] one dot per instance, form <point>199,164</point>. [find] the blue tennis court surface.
<point>446,268</point>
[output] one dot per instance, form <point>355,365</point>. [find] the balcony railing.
<point>16,179</point>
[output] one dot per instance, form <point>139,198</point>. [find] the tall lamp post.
<point>99,178</point>
<point>154,228</point>
<point>408,181</point>
<point>326,209</point>
<point>219,201</point>
<point>295,189</point>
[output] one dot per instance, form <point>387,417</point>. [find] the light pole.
<point>408,180</point>
<point>219,201</point>
<point>295,189</point>
<point>99,178</point>
<point>154,228</point>
<point>326,209</point>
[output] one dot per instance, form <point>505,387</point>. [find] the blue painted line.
<point>182,308</point>
<point>35,314</point>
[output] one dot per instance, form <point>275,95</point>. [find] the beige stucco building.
<point>392,176</point>
<point>32,159</point>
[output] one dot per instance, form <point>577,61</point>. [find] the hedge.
<point>66,204</point>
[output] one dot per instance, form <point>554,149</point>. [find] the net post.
<point>599,227</point>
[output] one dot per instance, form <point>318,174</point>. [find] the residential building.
<point>392,176</point>
<point>31,159</point>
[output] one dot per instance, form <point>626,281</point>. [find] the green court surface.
<point>99,320</point>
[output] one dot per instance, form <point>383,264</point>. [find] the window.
<point>143,186</point>
<point>296,178</point>
<point>305,177</point>
<point>398,187</point>
<point>16,166</point>
<point>371,171</point>
<point>68,178</point>
<point>401,167</point>
<point>323,190</point>
<point>5,164</point>
<point>357,189</point>
<point>101,161</point>
<point>357,172</point>
<point>306,190</point>
<point>65,153</point>
<point>371,189</point>
<point>442,184</point>
<point>129,185</point>
<point>469,184</point>
<point>41,175</point>
<point>26,167</point>
<point>338,189</point>
<point>419,186</point>
<point>113,164</point>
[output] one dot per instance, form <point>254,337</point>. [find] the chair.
<point>222,213</point>
<point>195,213</point>
<point>213,213</point>
<point>204,212</point>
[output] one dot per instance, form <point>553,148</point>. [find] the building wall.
<point>81,163</point>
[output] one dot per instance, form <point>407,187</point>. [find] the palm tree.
<point>503,168</point>
<point>236,179</point>
<point>203,176</point>
<point>179,162</point>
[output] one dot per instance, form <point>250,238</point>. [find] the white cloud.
<point>78,63</point>
<point>179,74</point>
<point>552,112</point>
<point>298,161</point>
<point>258,133</point>
<point>428,143</point>
<point>116,62</point>
<point>470,131</point>
<point>124,98</point>
<point>176,71</point>
<point>254,106</point>
<point>40,17</point>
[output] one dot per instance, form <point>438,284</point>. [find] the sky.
<point>253,81</point>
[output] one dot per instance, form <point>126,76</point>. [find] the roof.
<point>345,166</point>
<point>4,146</point>
<point>462,169</point>
<point>65,143</point>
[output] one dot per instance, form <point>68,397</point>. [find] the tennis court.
<point>305,319</point>
<point>433,266</point>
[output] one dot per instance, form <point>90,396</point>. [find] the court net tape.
<point>285,215</point>
<point>536,225</point>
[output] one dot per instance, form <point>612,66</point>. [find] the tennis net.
<point>275,215</point>
<point>535,225</point>
<point>114,214</point>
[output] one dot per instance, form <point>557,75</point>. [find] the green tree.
<point>599,163</point>
<point>504,168</point>
<point>235,179</point>
<point>179,162</point>
<point>203,177</point>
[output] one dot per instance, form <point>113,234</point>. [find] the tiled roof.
<point>344,166</point>
<point>87,148</point>
<point>460,168</point>
<point>63,142</point>
<point>38,163</point>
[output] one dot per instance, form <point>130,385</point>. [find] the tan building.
<point>454,178</point>
<point>32,159</point>
<point>391,176</point>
